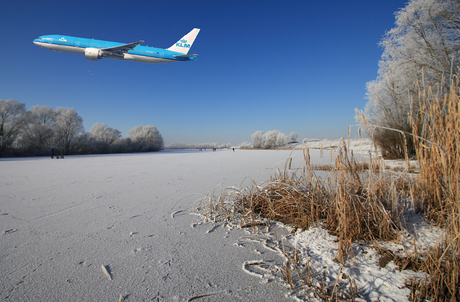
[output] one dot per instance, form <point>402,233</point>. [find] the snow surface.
<point>63,220</point>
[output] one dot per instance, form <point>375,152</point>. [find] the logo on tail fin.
<point>183,43</point>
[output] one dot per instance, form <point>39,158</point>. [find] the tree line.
<point>272,139</point>
<point>39,130</point>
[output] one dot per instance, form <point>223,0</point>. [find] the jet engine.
<point>92,54</point>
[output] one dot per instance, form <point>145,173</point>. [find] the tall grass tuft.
<point>438,153</point>
<point>354,204</point>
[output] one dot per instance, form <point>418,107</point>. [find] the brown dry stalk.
<point>438,190</point>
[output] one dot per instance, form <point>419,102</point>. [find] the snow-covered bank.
<point>362,148</point>
<point>363,145</point>
<point>374,281</point>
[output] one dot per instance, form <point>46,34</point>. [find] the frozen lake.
<point>60,220</point>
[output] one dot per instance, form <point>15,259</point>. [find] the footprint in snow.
<point>10,231</point>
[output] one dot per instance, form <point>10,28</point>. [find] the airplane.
<point>98,49</point>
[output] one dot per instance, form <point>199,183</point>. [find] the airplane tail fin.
<point>184,44</point>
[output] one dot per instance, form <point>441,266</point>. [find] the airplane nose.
<point>38,43</point>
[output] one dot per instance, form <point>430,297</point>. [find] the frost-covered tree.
<point>39,131</point>
<point>69,130</point>
<point>103,133</point>
<point>244,145</point>
<point>293,137</point>
<point>122,145</point>
<point>257,139</point>
<point>281,139</point>
<point>270,139</point>
<point>13,117</point>
<point>147,138</point>
<point>422,50</point>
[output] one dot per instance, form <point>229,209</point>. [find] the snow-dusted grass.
<point>362,208</point>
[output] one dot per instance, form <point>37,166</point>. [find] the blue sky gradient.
<point>292,66</point>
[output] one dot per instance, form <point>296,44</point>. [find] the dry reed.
<point>352,203</point>
<point>437,138</point>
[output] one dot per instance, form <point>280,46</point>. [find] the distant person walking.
<point>52,153</point>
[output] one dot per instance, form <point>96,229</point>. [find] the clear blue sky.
<point>293,66</point>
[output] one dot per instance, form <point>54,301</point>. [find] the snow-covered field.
<point>61,220</point>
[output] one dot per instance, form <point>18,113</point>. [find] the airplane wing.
<point>184,56</point>
<point>119,50</point>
